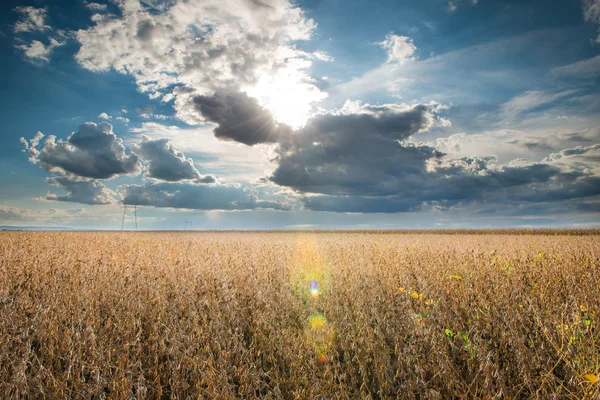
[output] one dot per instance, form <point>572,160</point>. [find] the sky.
<point>314,114</point>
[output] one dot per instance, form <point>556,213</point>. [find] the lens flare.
<point>321,359</point>
<point>320,334</point>
<point>317,321</point>
<point>313,287</point>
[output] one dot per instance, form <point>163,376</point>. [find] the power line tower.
<point>186,225</point>
<point>124,206</point>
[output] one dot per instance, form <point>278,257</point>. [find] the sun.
<point>289,95</point>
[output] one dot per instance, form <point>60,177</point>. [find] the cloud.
<point>104,116</point>
<point>529,101</point>
<point>452,7</point>
<point>451,183</point>
<point>54,215</point>
<point>31,20</point>
<point>508,144</point>
<point>227,159</point>
<point>591,12</point>
<point>400,49</point>
<point>31,147</point>
<point>37,52</point>
<point>357,150</point>
<point>94,6</point>
<point>167,163</point>
<point>361,158</point>
<point>470,76</point>
<point>239,118</point>
<point>81,191</point>
<point>197,197</point>
<point>197,48</point>
<point>94,151</point>
<point>581,70</point>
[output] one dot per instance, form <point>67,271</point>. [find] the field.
<point>299,315</point>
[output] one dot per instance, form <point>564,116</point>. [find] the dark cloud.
<point>361,159</point>
<point>450,183</point>
<point>239,118</point>
<point>167,163</point>
<point>197,197</point>
<point>94,151</point>
<point>356,152</point>
<point>85,192</point>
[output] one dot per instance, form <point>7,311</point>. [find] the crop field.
<point>300,315</point>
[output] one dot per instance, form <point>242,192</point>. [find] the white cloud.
<point>31,20</point>
<point>38,52</point>
<point>531,100</point>
<point>229,160</point>
<point>81,191</point>
<point>509,144</point>
<point>166,162</point>
<point>199,46</point>
<point>104,116</point>
<point>400,49</point>
<point>452,7</point>
<point>94,6</point>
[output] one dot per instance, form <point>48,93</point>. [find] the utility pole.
<point>124,206</point>
<point>123,220</point>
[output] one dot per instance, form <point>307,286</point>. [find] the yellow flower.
<point>583,308</point>
<point>401,289</point>
<point>591,378</point>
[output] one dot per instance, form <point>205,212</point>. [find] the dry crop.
<point>299,315</point>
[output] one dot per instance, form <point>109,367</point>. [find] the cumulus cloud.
<point>81,191</point>
<point>94,151</point>
<point>459,182</point>
<point>362,158</point>
<point>31,147</point>
<point>400,49</point>
<point>31,19</point>
<point>104,116</point>
<point>357,150</point>
<point>198,47</point>
<point>38,52</point>
<point>197,197</point>
<point>167,163</point>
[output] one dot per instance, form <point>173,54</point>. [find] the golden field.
<point>299,315</point>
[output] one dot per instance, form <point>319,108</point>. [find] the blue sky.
<point>307,115</point>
